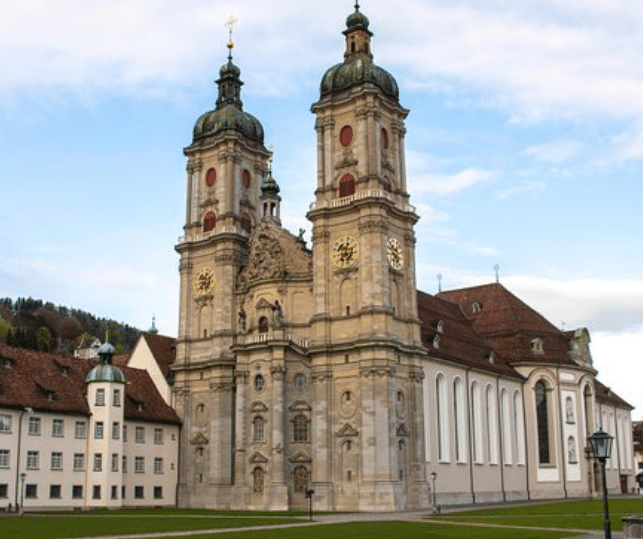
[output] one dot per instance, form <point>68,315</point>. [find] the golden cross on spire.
<point>232,20</point>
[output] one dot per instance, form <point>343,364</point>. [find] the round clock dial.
<point>204,281</point>
<point>345,252</point>
<point>394,254</point>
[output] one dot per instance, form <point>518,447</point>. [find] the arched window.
<point>519,428</point>
<point>476,424</point>
<point>441,412</point>
<point>246,222</point>
<point>492,426</point>
<point>300,429</point>
<point>346,186</point>
<point>258,429</point>
<point>459,421</point>
<point>263,325</point>
<point>505,427</point>
<point>542,419</point>
<point>384,139</point>
<point>209,221</point>
<point>300,478</point>
<point>246,179</point>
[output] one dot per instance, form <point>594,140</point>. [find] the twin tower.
<point>300,368</point>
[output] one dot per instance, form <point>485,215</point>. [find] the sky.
<point>524,146</point>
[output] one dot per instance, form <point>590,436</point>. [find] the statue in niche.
<point>278,314</point>
<point>242,321</point>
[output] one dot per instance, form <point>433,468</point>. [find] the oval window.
<point>346,135</point>
<point>211,177</point>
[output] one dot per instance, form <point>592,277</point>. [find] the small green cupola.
<point>270,198</point>
<point>105,371</point>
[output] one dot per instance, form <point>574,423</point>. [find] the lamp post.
<point>601,444</point>
<point>23,476</point>
<point>434,508</point>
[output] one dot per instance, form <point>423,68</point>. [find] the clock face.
<point>394,254</point>
<point>204,282</point>
<point>345,252</point>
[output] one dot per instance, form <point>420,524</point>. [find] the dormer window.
<point>50,395</point>
<point>7,363</point>
<point>491,357</point>
<point>440,326</point>
<point>537,346</point>
<point>64,370</point>
<point>476,307</point>
<point>436,341</point>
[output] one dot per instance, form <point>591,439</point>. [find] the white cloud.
<point>450,184</point>
<point>555,151</point>
<point>528,187</point>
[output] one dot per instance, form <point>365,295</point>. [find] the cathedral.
<point>322,371</point>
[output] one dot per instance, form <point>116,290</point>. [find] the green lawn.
<point>579,514</point>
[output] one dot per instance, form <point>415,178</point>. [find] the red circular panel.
<point>384,139</point>
<point>346,135</point>
<point>211,177</point>
<point>246,178</point>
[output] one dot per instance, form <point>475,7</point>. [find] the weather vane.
<point>271,149</point>
<point>232,20</point>
<point>496,267</point>
<point>439,282</point>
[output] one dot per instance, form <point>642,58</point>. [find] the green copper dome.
<point>106,373</point>
<point>357,68</point>
<point>228,114</point>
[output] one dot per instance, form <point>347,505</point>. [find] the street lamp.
<point>601,444</point>
<point>434,508</point>
<point>23,476</point>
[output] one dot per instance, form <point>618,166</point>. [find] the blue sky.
<point>524,145</point>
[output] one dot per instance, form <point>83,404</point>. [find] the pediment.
<point>402,430</point>
<point>199,439</point>
<point>347,430</point>
<point>299,458</point>
<point>263,303</point>
<point>258,458</point>
<point>258,407</point>
<point>300,406</point>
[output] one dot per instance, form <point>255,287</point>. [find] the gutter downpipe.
<point>501,441</point>
<point>27,410</point>
<point>524,433</point>
<point>562,434</point>
<point>469,416</point>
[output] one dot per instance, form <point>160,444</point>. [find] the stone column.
<point>319,128</point>
<point>419,495</point>
<point>322,437</point>
<point>241,491</point>
<point>278,488</point>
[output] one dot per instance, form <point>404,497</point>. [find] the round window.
<point>211,177</point>
<point>346,135</point>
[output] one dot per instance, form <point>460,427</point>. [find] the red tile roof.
<point>604,395</point>
<point>163,349</point>
<point>56,384</point>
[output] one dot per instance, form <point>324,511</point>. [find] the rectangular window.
<point>158,493</point>
<point>56,460</point>
<point>122,492</point>
<point>125,433</point>
<point>139,464</point>
<point>96,492</point>
<point>31,491</point>
<point>140,435</point>
<point>98,462</point>
<point>116,430</point>
<point>79,462</point>
<point>58,428</point>
<point>114,493</point>
<point>117,397</point>
<point>158,436</point>
<point>77,492</point>
<point>4,490</point>
<point>80,430</point>
<point>4,458</point>
<point>5,423</point>
<point>54,491</point>
<point>138,492</point>
<point>124,464</point>
<point>34,426</point>
<point>32,460</point>
<point>114,462</point>
<point>158,465</point>
<point>100,397</point>
<point>98,429</point>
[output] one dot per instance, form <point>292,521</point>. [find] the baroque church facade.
<point>324,368</point>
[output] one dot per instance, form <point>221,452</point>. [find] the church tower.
<point>226,163</point>
<point>365,348</point>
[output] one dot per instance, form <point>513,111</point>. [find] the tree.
<point>43,339</point>
<point>5,330</point>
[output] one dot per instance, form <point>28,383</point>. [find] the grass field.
<point>501,523</point>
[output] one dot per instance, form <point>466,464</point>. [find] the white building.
<point>83,435</point>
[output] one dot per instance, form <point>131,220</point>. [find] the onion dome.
<point>106,372</point>
<point>358,67</point>
<point>228,113</point>
<point>270,187</point>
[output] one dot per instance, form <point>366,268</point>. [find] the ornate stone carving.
<point>266,258</point>
<point>373,226</point>
<point>199,439</point>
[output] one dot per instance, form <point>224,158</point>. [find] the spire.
<point>270,194</point>
<point>153,329</point>
<point>229,82</point>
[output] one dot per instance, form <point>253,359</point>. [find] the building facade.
<point>324,368</point>
<point>77,434</point>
